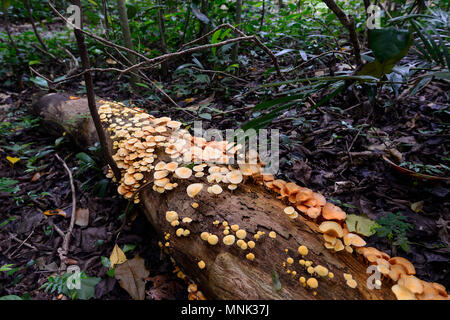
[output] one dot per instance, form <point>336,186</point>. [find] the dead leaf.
<point>117,256</point>
<point>73,98</point>
<point>111,61</point>
<point>36,177</point>
<point>55,212</point>
<point>396,154</point>
<point>131,275</point>
<point>82,217</point>
<point>417,206</point>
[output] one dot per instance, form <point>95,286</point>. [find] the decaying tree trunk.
<point>228,274</point>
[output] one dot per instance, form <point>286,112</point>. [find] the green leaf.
<point>389,44</point>
<point>142,85</point>
<point>359,224</point>
<point>128,247</point>
<point>84,157</point>
<point>215,39</point>
<point>39,81</point>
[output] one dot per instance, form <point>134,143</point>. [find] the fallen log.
<point>253,270</point>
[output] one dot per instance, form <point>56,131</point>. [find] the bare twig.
<point>91,97</point>
<point>65,246</point>
<point>349,23</point>
<point>22,243</point>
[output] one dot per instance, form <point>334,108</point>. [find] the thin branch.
<point>65,246</point>
<point>91,98</point>
<point>27,4</point>
<point>348,23</point>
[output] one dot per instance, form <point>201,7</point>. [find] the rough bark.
<point>228,274</point>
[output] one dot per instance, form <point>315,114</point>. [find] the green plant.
<point>9,185</point>
<point>58,284</point>
<point>394,227</point>
<point>6,268</point>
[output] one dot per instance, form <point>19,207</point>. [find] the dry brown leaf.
<point>82,217</point>
<point>131,276</point>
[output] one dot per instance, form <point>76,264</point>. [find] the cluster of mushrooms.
<point>137,136</point>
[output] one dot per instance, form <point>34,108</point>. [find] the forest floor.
<point>336,149</point>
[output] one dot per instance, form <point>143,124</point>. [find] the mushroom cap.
<point>312,283</point>
<point>183,172</point>
<point>320,199</point>
<point>250,256</point>
<point>396,272</point>
<point>160,174</point>
<point>352,283</point>
<point>338,245</point>
<point>194,189</point>
<point>179,232</point>
<point>171,216</point>
<point>213,239</point>
<point>161,182</point>
<point>290,190</point>
<point>171,166</point>
<point>160,166</point>
<point>201,264</point>
<point>138,176</point>
<point>251,245</point>
<point>216,189</point>
<point>409,267</point>
<point>429,292</point>
<point>403,293</point>
<point>235,227</point>
<point>303,194</point>
<point>302,250</point>
<point>234,176</point>
<point>332,212</point>
<point>331,228</point>
<point>204,235</point>
<point>440,288</point>
<point>383,266</point>
<point>313,212</point>
<point>354,240</point>
<point>330,239</point>
<point>186,220</point>
<point>289,210</point>
<point>232,186</point>
<point>272,234</point>
<point>412,283</point>
<point>241,234</point>
<point>321,270</point>
<point>129,180</point>
<point>229,240</point>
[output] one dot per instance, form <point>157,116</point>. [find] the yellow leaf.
<point>117,256</point>
<point>12,159</point>
<point>55,212</point>
<point>189,100</point>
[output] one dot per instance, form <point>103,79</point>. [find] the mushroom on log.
<point>207,253</point>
